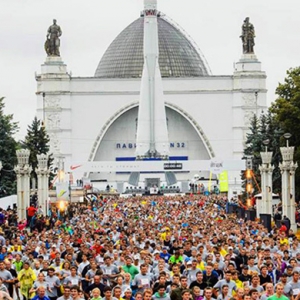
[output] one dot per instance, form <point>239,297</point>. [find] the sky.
<point>90,26</point>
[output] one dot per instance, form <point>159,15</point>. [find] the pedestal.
<point>43,172</point>
<point>292,203</point>
<point>23,171</point>
<point>259,207</point>
<point>266,170</point>
<point>288,168</point>
<point>248,63</point>
<point>54,68</point>
<point>20,197</point>
<point>23,190</point>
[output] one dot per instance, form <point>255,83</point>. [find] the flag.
<point>223,177</point>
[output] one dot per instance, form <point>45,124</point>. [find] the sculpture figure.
<point>52,43</point>
<point>248,35</point>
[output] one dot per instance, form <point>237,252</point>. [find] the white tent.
<point>273,195</point>
<point>9,200</point>
<point>275,198</point>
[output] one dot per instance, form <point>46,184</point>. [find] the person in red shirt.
<point>97,247</point>
<point>283,228</point>
<point>31,210</point>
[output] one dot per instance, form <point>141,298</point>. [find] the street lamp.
<point>266,170</point>
<point>288,168</point>
<point>266,143</point>
<point>287,136</point>
<point>43,122</point>
<point>256,99</point>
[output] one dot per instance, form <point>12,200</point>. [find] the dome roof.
<point>178,57</point>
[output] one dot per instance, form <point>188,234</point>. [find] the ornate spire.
<point>150,4</point>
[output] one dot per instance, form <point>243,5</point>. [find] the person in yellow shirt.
<point>26,278</point>
<point>239,283</point>
<point>200,263</point>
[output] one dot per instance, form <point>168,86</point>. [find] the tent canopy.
<point>260,195</point>
<point>9,200</point>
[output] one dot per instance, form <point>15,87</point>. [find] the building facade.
<point>95,118</point>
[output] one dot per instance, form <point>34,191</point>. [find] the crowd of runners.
<point>160,248</point>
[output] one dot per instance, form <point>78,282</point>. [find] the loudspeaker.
<point>232,209</point>
<point>265,219</point>
<point>241,213</point>
<point>278,223</point>
<point>250,215</point>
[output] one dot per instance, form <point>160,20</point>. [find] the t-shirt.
<point>275,297</point>
<point>72,280</point>
<point>142,281</point>
<point>53,282</point>
<point>31,211</point>
<point>294,287</point>
<point>231,285</point>
<point>5,275</point>
<point>132,270</point>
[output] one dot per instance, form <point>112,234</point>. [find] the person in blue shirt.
<point>164,254</point>
<point>40,294</point>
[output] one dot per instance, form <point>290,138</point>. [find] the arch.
<point>126,108</point>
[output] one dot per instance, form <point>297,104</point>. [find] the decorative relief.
<point>54,142</point>
<point>53,120</point>
<point>249,99</point>
<point>248,117</point>
<point>52,101</point>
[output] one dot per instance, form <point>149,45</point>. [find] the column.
<point>288,168</point>
<point>43,172</point>
<point>269,175</point>
<point>292,204</point>
<point>284,187</point>
<point>23,171</point>
<point>266,170</point>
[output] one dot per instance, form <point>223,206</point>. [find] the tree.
<point>37,141</point>
<point>274,133</point>
<point>286,110</point>
<point>264,132</point>
<point>253,148</point>
<point>8,147</point>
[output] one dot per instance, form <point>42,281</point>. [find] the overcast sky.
<point>90,26</point>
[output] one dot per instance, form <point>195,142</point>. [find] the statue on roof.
<point>52,43</point>
<point>248,35</point>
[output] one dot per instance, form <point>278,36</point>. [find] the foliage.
<point>263,132</point>
<point>37,141</point>
<point>8,147</point>
<point>286,111</point>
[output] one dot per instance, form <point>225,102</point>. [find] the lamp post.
<point>0,165</point>
<point>256,103</point>
<point>288,168</point>
<point>23,171</point>
<point>266,170</point>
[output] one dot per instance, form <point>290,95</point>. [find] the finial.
<point>150,4</point>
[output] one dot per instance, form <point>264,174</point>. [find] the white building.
<point>95,118</point>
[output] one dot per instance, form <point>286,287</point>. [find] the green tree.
<point>37,141</point>
<point>286,110</point>
<point>253,147</point>
<point>274,133</point>
<point>8,147</point>
<point>264,132</point>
